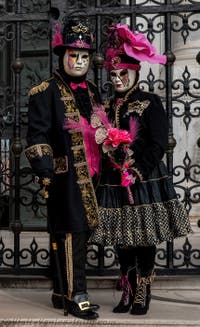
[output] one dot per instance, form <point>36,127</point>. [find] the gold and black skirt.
<point>156,215</point>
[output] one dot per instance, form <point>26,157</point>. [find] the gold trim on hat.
<point>80,28</point>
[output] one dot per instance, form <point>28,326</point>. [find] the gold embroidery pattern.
<point>38,150</point>
<point>81,170</point>
<point>161,222</point>
<point>79,153</point>
<point>137,106</point>
<point>76,138</point>
<point>39,88</point>
<point>118,107</point>
<point>80,162</point>
<point>60,165</point>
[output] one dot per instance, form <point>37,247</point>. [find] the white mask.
<point>76,62</point>
<point>123,79</point>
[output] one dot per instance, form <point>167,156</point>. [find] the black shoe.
<point>80,307</point>
<point>127,297</point>
<point>142,297</point>
<point>57,302</point>
<point>94,307</point>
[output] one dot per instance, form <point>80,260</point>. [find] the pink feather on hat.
<point>136,45</point>
<point>57,38</point>
<point>133,44</point>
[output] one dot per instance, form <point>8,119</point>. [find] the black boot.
<point>142,296</point>
<point>128,286</point>
<point>126,298</point>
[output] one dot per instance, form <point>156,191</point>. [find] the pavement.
<point>172,306</point>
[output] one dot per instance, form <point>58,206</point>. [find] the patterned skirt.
<point>156,215</point>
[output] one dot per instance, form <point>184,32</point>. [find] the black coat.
<point>60,155</point>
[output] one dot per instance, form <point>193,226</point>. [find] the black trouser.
<point>72,256</point>
<point>142,258</point>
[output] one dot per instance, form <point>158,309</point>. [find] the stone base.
<point>99,322</point>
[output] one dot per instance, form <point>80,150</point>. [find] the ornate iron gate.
<point>26,59</point>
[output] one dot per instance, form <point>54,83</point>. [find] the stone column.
<point>186,69</point>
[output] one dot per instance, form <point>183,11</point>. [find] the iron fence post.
<point>17,67</point>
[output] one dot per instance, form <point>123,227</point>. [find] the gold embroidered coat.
<point>60,154</point>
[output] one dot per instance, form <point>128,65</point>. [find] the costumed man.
<point>138,206</point>
<point>65,158</point>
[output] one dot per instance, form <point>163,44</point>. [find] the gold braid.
<point>118,107</point>
<point>69,263</point>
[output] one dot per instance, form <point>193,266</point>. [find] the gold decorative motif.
<point>80,161</point>
<point>60,165</point>
<point>119,105</point>
<point>137,106</point>
<point>38,150</point>
<point>39,88</point>
<point>139,174</point>
<point>45,182</point>
<point>80,28</point>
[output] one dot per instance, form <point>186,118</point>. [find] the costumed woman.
<point>138,206</point>
<point>66,161</point>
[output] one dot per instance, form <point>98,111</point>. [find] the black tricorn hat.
<point>75,35</point>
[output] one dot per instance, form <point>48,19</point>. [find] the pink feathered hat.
<point>126,49</point>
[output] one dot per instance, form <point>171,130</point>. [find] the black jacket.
<point>59,154</point>
<point>152,140</point>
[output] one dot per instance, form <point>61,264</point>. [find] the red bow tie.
<point>74,86</point>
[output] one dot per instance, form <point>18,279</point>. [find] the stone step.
<point>99,322</point>
<point>33,308</point>
<point>104,282</point>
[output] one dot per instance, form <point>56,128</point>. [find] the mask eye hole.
<point>113,74</point>
<point>123,73</point>
<point>72,55</point>
<point>85,56</point>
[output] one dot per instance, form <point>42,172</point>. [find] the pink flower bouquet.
<point>112,139</point>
